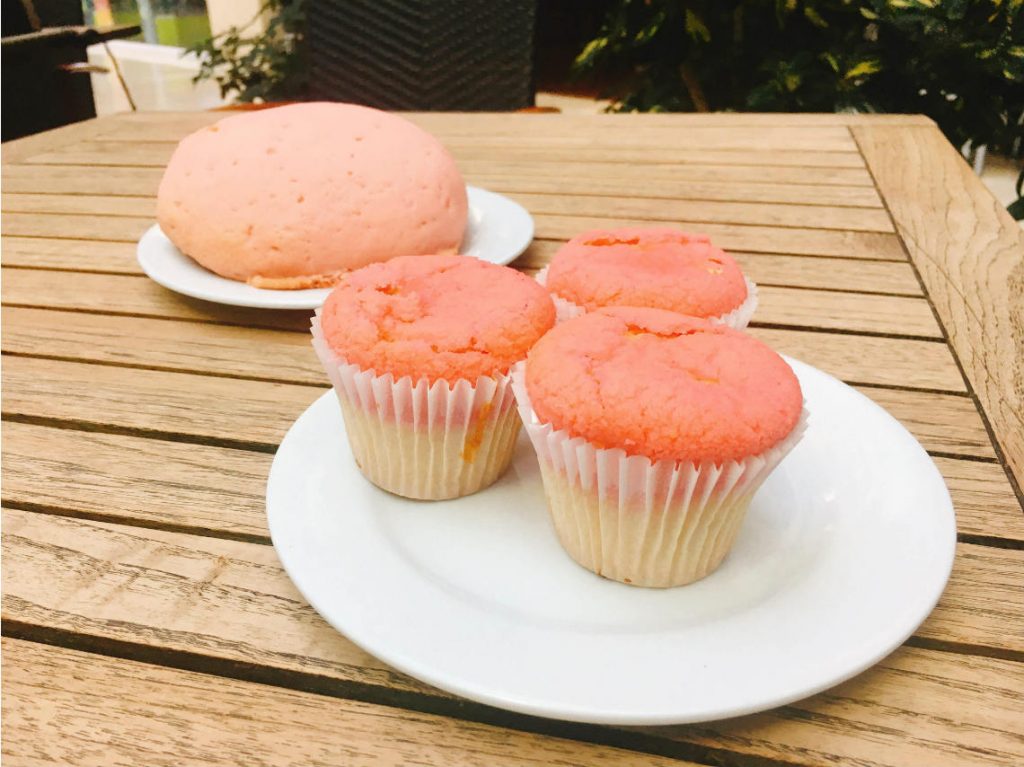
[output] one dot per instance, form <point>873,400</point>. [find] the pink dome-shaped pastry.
<point>291,197</point>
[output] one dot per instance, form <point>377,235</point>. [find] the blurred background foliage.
<point>961,62</point>
<point>252,63</point>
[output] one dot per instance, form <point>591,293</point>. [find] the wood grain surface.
<point>147,618</point>
<point>970,255</point>
<point>229,601</point>
<point>103,712</point>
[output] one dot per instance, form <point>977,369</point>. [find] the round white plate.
<point>844,552</point>
<point>498,230</point>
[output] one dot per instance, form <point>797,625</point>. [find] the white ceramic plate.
<point>845,551</point>
<point>498,230</point>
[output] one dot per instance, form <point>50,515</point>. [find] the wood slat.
<point>64,707</point>
<point>942,423</point>
<point>846,274</point>
<point>896,315</point>
<point>43,179</point>
<point>894,361</point>
<point>913,708</point>
<point>222,411</point>
<point>972,265</point>
<point>48,141</point>
<point>982,599</point>
<point>677,120</point>
<point>749,238</point>
<point>695,209</point>
<point>172,485</point>
<point>526,131</point>
<point>75,227</point>
<point>431,120</point>
<point>868,360</point>
<point>745,213</point>
<point>605,182</point>
<point>95,255</point>
<point>780,270</point>
<point>271,355</point>
<point>79,204</point>
<point>811,162</point>
<point>583,180</point>
<point>761,239</point>
<point>78,472</point>
<point>571,175</point>
<point>983,498</point>
<point>133,295</point>
<point>613,127</point>
<point>701,167</point>
<point>230,600</point>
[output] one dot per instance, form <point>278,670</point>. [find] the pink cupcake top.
<point>663,385</point>
<point>436,317</point>
<point>659,267</point>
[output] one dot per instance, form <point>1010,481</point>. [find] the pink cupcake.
<point>653,431</point>
<point>419,350</point>
<point>655,267</point>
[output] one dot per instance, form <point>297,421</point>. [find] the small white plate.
<point>845,551</point>
<point>498,230</point>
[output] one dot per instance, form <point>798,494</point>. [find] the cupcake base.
<point>421,439</point>
<point>430,463</point>
<point>642,544</point>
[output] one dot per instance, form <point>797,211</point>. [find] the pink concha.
<point>309,190</point>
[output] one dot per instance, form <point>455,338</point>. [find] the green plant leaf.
<point>814,17</point>
<point>696,28</point>
<point>591,52</point>
<point>863,69</point>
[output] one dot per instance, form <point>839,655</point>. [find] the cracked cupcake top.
<point>663,385</point>
<point>438,317</point>
<point>658,267</point>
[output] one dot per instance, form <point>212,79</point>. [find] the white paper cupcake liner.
<point>738,318</point>
<point>423,440</point>
<point>638,521</point>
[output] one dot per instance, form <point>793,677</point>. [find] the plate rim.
<point>648,717</point>
<point>307,298</point>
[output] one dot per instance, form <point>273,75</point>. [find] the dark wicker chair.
<point>461,55</point>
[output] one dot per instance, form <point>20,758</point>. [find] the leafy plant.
<point>959,61</point>
<point>267,66</point>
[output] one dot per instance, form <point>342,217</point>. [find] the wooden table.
<point>146,618</point>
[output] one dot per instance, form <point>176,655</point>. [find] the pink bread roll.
<point>295,196</point>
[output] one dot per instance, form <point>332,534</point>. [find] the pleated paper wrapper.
<point>647,523</point>
<point>417,439</point>
<point>738,318</point>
